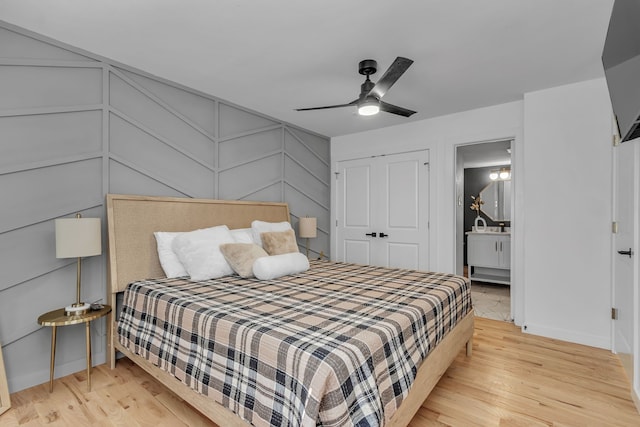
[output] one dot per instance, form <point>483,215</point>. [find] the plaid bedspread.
<point>337,345</point>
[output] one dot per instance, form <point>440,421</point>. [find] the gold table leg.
<point>53,357</point>
<point>88,356</point>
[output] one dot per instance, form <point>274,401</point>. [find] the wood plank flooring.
<point>512,379</point>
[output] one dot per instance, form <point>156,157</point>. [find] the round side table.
<point>57,318</point>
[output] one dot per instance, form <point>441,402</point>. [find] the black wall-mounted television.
<point>621,61</point>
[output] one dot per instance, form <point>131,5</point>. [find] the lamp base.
<point>77,309</point>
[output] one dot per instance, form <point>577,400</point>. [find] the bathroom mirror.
<point>497,200</point>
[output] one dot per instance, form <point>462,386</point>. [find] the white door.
<point>382,212</point>
<point>625,247</point>
<point>355,227</point>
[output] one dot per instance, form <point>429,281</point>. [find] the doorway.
<point>484,212</point>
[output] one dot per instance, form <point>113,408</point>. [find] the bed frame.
<point>132,255</point>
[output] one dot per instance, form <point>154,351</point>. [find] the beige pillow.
<point>241,256</point>
<point>279,242</point>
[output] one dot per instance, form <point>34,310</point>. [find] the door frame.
<point>516,291</point>
<point>631,364</point>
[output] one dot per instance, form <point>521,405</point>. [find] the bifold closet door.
<point>382,213</point>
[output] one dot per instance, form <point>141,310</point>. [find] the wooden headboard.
<point>131,221</point>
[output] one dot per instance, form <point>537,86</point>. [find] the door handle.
<point>371,234</point>
<point>384,235</point>
<point>629,252</point>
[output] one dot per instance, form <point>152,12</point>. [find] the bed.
<point>236,397</point>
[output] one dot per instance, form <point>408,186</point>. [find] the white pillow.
<point>199,252</point>
<point>271,267</point>
<point>169,261</point>
<point>259,227</point>
<point>242,235</point>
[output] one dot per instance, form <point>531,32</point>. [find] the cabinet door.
<point>504,245</point>
<point>482,251</point>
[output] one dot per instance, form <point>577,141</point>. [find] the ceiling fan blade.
<point>394,109</point>
<point>390,76</point>
<point>328,106</point>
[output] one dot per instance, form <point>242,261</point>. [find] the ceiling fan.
<point>369,102</point>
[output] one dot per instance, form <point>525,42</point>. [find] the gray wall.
<point>75,126</point>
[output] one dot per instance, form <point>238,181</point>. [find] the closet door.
<point>355,225</point>
<point>382,210</point>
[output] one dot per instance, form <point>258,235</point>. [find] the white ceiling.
<point>277,55</point>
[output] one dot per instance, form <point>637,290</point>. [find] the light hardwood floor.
<point>512,379</point>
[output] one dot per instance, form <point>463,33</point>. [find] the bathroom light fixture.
<point>502,174</point>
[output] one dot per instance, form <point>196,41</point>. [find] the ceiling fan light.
<point>369,107</point>
<point>493,175</point>
<point>505,174</point>
<point>368,110</point>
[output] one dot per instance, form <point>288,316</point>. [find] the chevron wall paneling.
<point>306,178</point>
<point>76,126</point>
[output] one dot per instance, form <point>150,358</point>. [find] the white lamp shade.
<point>307,227</point>
<point>78,237</point>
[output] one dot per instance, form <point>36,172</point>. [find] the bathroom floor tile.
<point>491,301</point>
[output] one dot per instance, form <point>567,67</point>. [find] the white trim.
<point>568,335</point>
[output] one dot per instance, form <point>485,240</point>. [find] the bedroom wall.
<point>560,259</point>
<point>568,205</point>
<point>76,126</point>
<point>439,135</point>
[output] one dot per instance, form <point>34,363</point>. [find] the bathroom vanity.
<point>489,256</point>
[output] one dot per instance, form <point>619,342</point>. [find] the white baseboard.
<point>568,335</point>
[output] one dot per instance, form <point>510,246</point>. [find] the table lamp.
<point>76,238</point>
<point>307,229</point>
